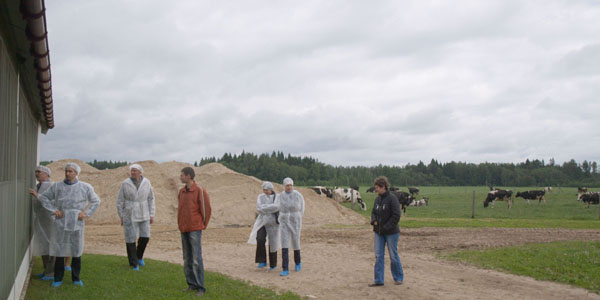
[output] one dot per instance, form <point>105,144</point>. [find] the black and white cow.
<point>581,190</point>
<point>349,195</point>
<point>548,189</point>
<point>421,202</point>
<point>500,195</point>
<point>413,191</point>
<point>321,190</point>
<point>532,195</point>
<point>589,198</point>
<point>404,198</point>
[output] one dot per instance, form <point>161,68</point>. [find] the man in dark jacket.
<point>384,218</point>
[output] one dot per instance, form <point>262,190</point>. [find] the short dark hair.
<point>382,181</point>
<point>189,171</point>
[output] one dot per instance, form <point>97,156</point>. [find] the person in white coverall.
<point>291,210</point>
<point>135,206</point>
<point>71,202</point>
<point>266,227</point>
<point>42,223</point>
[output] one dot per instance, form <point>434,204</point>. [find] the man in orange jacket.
<point>193,215</point>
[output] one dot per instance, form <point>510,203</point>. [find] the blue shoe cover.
<point>79,283</point>
<point>47,278</point>
<point>56,283</point>
<point>68,268</point>
<point>272,268</point>
<point>298,267</point>
<point>40,275</point>
<point>262,265</point>
<point>284,273</point>
<point>136,268</point>
<point>141,262</point>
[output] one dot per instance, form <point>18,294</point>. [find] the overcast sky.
<point>346,82</point>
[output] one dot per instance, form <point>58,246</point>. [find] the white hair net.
<point>267,186</point>
<point>74,166</point>
<point>43,169</point>
<point>137,167</point>
<point>287,181</point>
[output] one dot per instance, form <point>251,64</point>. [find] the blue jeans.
<point>392,245</point>
<point>193,268</point>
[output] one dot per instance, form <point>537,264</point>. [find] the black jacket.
<point>386,211</point>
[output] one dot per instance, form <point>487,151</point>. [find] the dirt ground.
<point>337,263</point>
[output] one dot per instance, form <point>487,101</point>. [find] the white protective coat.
<point>42,224</point>
<point>267,206</point>
<point>291,210</point>
<point>135,205</point>
<point>68,232</point>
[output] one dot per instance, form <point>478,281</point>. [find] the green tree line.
<point>98,164</point>
<point>309,171</point>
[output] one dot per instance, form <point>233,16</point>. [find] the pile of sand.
<point>233,195</point>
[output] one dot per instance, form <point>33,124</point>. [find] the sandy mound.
<point>233,195</point>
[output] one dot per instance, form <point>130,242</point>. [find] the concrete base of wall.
<point>22,277</point>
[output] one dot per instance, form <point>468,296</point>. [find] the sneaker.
<point>136,268</point>
<point>78,282</point>
<point>298,267</point>
<point>284,273</point>
<point>272,268</point>
<point>399,282</point>
<point>141,262</point>
<point>200,293</point>
<point>47,278</point>
<point>68,268</point>
<point>375,284</point>
<point>56,283</point>
<point>262,265</point>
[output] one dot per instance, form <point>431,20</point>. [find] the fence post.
<point>473,207</point>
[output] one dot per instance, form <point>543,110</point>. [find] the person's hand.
<point>33,193</point>
<point>82,216</point>
<point>58,214</point>
<point>151,220</point>
<point>375,223</point>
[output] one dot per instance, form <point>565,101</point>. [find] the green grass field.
<point>576,263</point>
<point>109,277</point>
<point>452,207</point>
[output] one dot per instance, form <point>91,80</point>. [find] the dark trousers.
<point>59,268</point>
<point>134,254</point>
<point>261,251</point>
<point>285,258</point>
<point>48,265</point>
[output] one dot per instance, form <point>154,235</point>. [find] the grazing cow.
<point>421,202</point>
<point>404,198</point>
<point>500,195</point>
<point>413,191</point>
<point>349,195</point>
<point>532,195</point>
<point>321,190</point>
<point>548,189</point>
<point>581,189</point>
<point>589,198</point>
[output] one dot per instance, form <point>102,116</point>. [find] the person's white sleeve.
<point>151,200</point>
<point>121,200</point>
<point>302,201</point>
<point>46,197</point>
<point>94,202</point>
<point>267,208</point>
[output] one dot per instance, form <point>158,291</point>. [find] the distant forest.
<point>309,171</point>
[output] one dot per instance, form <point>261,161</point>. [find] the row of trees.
<point>309,171</point>
<point>98,164</point>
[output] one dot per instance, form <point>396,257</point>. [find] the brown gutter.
<point>34,12</point>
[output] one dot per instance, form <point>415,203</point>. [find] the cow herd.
<point>506,195</point>
<point>352,195</point>
<point>406,199</point>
